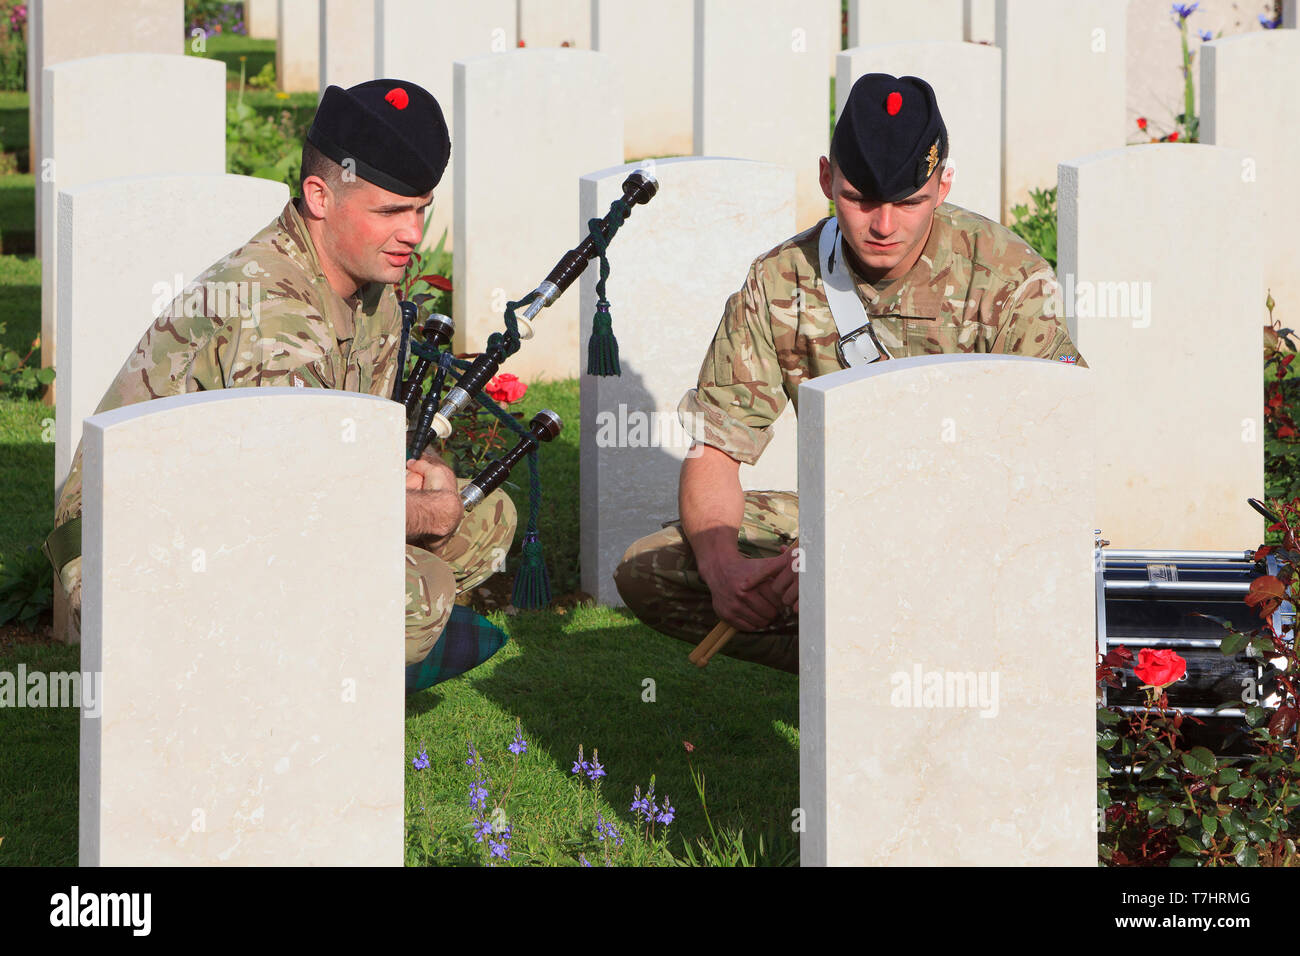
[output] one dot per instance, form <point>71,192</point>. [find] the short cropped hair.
<point>316,163</point>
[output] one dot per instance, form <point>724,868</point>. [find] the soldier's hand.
<point>414,480</point>
<point>783,586</point>
<point>737,597</point>
<point>434,475</point>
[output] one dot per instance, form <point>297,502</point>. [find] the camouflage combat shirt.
<point>263,315</point>
<point>977,287</point>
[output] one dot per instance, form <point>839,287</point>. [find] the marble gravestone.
<point>1164,297</point>
<point>673,266</point>
<point>93,129</point>
<point>418,40</point>
<point>918,21</point>
<point>127,247</point>
<point>347,43</point>
<point>947,618</point>
<point>518,155</point>
<point>298,46</point>
<point>62,30</point>
<point>1251,102</point>
<point>1062,88</point>
<point>250,709</point>
<point>761,85</point>
<point>657,55</point>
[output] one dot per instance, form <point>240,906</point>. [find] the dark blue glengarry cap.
<point>393,131</point>
<point>890,137</point>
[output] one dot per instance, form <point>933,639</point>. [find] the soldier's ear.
<point>316,196</point>
<point>945,180</point>
<point>824,177</point>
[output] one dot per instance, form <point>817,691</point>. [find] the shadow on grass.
<point>38,767</point>
<point>630,693</point>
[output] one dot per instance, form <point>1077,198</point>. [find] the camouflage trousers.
<point>434,574</point>
<point>452,566</point>
<point>660,582</point>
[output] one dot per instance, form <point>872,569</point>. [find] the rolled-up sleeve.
<point>740,391</point>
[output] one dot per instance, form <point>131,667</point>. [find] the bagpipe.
<point>431,413</point>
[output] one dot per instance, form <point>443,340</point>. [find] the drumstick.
<point>712,643</point>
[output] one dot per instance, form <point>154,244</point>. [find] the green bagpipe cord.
<point>602,347</point>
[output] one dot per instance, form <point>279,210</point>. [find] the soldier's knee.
<point>635,577</point>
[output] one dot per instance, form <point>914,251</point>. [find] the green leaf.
<point>1239,789</point>
<point>1255,715</point>
<point>1199,761</point>
<point>1155,815</point>
<point>1228,775</point>
<point>1189,845</point>
<point>1247,856</point>
<point>1183,860</point>
<point>1108,716</point>
<point>1232,644</point>
<point>46,375</point>
<point>1176,816</point>
<point>1210,823</point>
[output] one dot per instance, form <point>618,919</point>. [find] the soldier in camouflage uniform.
<point>321,313</point>
<point>932,278</point>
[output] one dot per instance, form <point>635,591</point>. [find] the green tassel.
<point>602,347</point>
<point>532,584</point>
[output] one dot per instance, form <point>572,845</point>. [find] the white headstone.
<point>979,21</point>
<point>418,40</point>
<point>347,43</point>
<point>967,81</point>
<point>657,58</point>
<point>298,46</point>
<point>260,18</point>
<point>127,247</point>
<point>672,268</point>
<point>559,23</point>
<point>1251,102</point>
<point>60,30</point>
<point>917,21</point>
<point>1162,287</point>
<point>1155,56</point>
<point>528,125</point>
<point>250,708</point>
<point>946,703</point>
<point>93,128</point>
<point>761,85</point>
<point>1062,87</point>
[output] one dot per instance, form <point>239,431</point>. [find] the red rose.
<point>1173,137</point>
<point>1142,122</point>
<point>505,389</point>
<point>1159,668</point>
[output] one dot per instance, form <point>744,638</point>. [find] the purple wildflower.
<point>482,828</point>
<point>421,762</point>
<point>666,817</point>
<point>583,860</point>
<point>519,745</point>
<point>1269,23</point>
<point>478,795</point>
<point>473,755</point>
<point>580,765</point>
<point>1184,10</point>
<point>1205,35</point>
<point>594,769</point>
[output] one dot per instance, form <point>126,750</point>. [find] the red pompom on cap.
<point>893,103</point>
<point>397,96</point>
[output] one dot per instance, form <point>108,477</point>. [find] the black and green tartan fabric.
<point>466,642</point>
